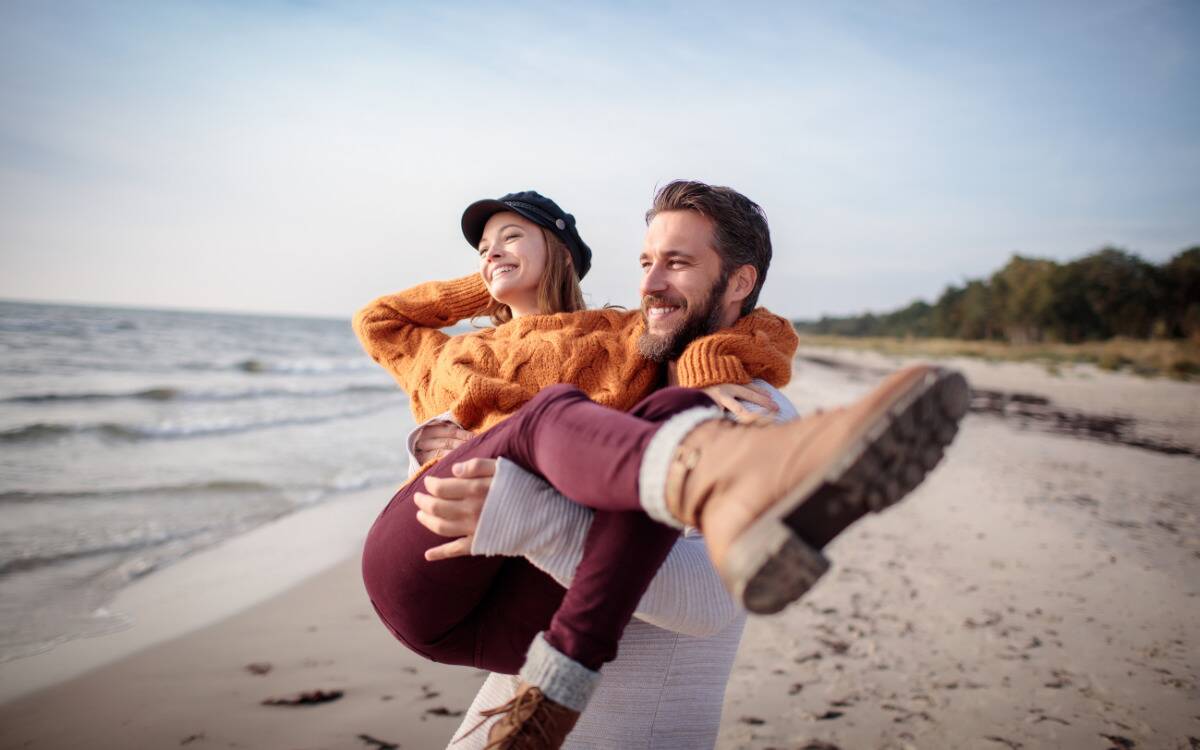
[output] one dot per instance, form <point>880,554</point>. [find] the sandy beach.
<point>1040,590</point>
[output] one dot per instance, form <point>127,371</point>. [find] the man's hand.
<point>438,439</point>
<point>452,505</point>
<point>729,397</point>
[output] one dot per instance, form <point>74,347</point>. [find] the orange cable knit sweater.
<point>484,376</point>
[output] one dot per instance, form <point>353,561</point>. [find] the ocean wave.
<point>287,366</point>
<point>301,495</point>
<point>41,432</point>
<point>215,486</point>
<point>32,562</point>
<point>144,541</point>
<point>170,393</point>
<point>150,540</point>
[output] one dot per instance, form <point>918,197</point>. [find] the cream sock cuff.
<point>656,461</point>
<point>561,678</point>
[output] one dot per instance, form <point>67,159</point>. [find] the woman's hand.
<point>729,397</point>
<point>438,439</point>
<point>451,506</point>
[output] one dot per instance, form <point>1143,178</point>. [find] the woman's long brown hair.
<point>558,290</point>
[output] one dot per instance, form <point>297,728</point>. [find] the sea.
<point>131,438</point>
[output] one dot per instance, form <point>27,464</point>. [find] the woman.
<point>580,438</point>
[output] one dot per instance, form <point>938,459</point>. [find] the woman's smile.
<point>502,269</point>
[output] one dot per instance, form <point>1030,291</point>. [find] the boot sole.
<point>770,565</point>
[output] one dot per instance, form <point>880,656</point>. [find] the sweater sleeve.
<point>525,516</point>
<point>402,332</point>
<point>410,444</point>
<point>759,345</point>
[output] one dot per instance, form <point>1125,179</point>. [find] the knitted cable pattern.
<point>485,376</point>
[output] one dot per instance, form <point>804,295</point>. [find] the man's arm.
<point>524,516</point>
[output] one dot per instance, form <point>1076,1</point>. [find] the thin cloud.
<point>304,158</point>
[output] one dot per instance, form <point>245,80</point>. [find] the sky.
<point>305,157</point>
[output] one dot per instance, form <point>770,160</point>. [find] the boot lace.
<point>514,727</point>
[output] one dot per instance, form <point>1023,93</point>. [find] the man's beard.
<point>703,320</point>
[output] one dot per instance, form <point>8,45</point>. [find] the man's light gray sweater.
<point>666,687</point>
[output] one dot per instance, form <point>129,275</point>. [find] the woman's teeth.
<point>500,270</point>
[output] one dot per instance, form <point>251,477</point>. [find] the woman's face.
<point>512,258</point>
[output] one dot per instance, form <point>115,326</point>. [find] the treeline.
<point>1105,294</point>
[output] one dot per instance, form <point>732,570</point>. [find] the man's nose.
<point>653,280</point>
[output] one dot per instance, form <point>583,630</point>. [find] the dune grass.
<point>1176,359</point>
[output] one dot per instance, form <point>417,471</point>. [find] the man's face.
<point>682,286</point>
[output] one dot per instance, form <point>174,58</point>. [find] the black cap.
<point>541,211</point>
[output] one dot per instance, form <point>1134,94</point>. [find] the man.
<point>705,258</point>
<point>667,685</point>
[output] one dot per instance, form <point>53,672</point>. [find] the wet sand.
<point>1039,591</point>
<point>205,690</point>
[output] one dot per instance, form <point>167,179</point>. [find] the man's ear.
<point>741,284</point>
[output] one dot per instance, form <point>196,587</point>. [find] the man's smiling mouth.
<point>657,308</point>
<point>659,311</point>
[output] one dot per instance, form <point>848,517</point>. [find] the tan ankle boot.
<point>769,498</point>
<point>530,721</point>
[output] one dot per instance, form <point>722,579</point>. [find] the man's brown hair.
<point>740,235</point>
<point>558,289</point>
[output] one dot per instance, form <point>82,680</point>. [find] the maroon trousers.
<point>485,611</point>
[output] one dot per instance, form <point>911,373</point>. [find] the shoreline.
<point>206,688</point>
<point>207,587</point>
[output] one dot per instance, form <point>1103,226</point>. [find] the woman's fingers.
<point>756,418</point>
<point>437,439</point>
<point>457,548</point>
<point>733,399</point>
<point>444,429</point>
<point>721,398</point>
<point>725,398</point>
<point>738,410</point>
<point>430,443</point>
<point>751,394</point>
<point>756,395</point>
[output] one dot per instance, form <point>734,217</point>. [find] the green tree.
<point>1023,295</point>
<point>1107,293</point>
<point>1181,279</point>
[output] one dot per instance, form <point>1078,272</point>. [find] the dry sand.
<point>1039,591</point>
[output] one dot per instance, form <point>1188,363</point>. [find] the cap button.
<point>560,223</point>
